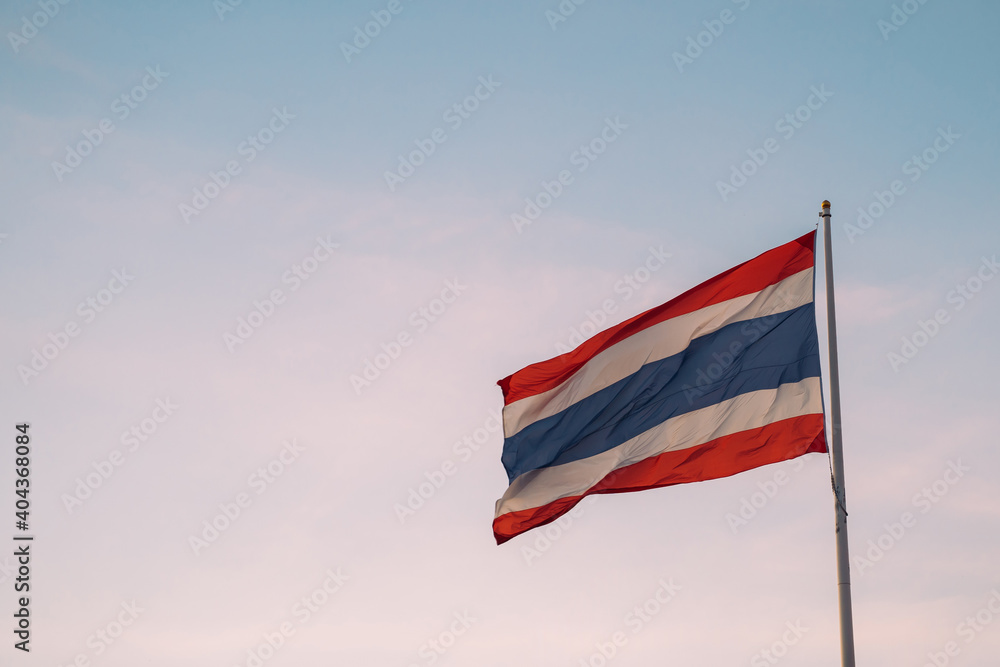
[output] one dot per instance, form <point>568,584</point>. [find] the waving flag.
<point>722,379</point>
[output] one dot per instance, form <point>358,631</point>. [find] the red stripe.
<point>747,278</point>
<point>722,457</point>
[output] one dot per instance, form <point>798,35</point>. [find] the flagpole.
<point>837,460</point>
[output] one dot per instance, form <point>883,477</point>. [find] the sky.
<point>263,263</point>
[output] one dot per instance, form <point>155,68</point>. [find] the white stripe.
<point>740,413</point>
<point>655,343</point>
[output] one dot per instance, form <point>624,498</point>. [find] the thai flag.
<point>722,379</point>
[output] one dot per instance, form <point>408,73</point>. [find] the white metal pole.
<point>837,459</point>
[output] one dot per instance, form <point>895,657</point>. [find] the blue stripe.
<point>753,355</point>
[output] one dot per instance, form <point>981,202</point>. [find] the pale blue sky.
<point>333,507</point>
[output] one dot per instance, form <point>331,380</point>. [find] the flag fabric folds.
<point>722,379</point>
